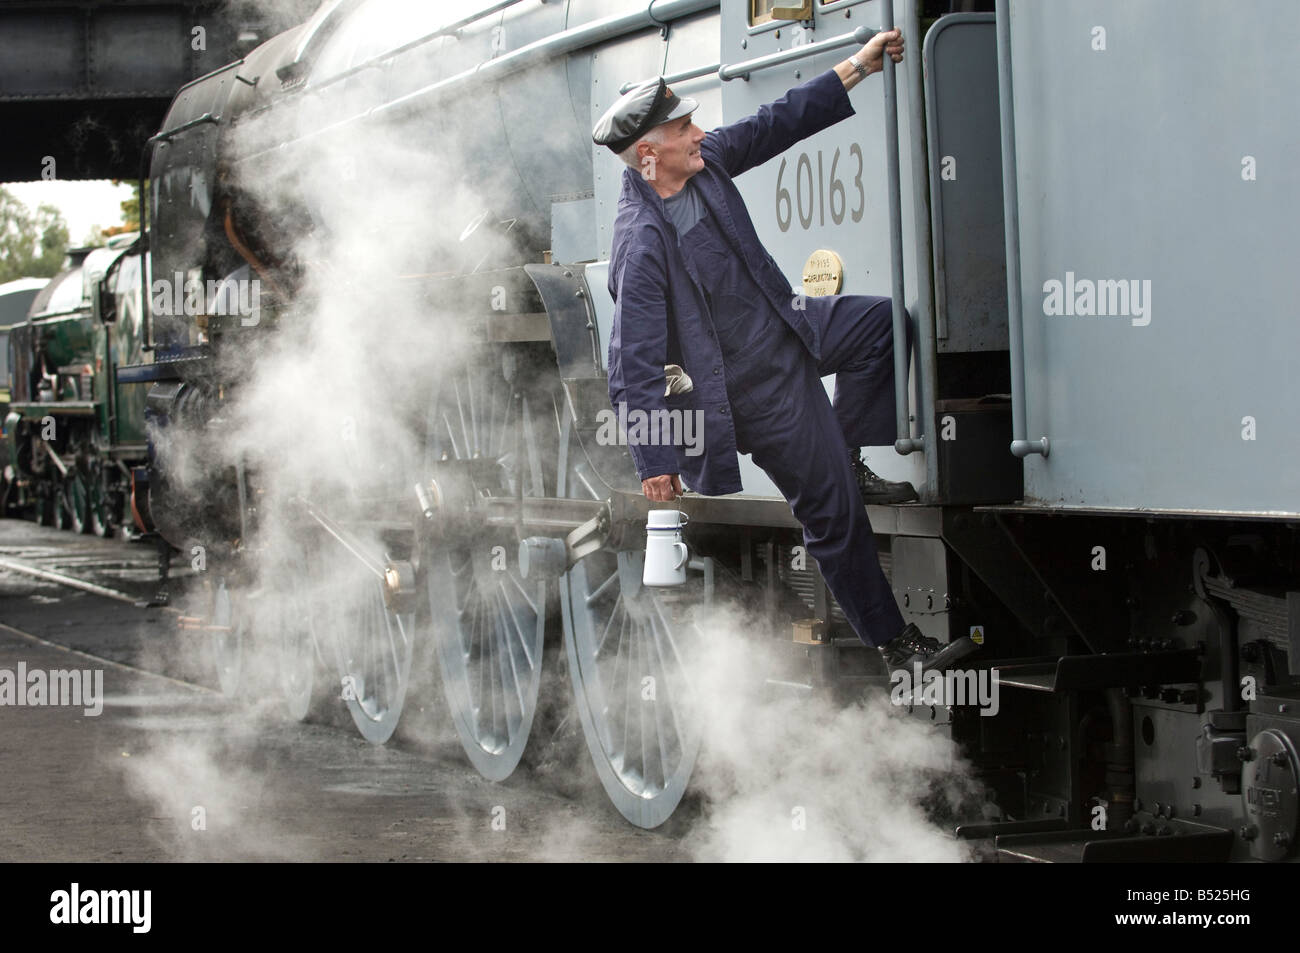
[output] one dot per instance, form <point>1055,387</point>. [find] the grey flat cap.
<point>639,110</point>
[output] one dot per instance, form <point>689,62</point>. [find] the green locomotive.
<point>72,431</point>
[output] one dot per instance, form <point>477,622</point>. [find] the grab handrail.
<point>904,443</point>
<point>742,70</point>
<point>1020,446</point>
<point>679,77</point>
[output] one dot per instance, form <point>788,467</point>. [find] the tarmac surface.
<point>173,770</point>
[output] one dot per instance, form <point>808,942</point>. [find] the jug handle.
<point>686,554</point>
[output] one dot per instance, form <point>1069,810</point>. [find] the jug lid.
<point>664,519</point>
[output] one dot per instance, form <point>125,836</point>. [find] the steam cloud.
<point>802,778</point>
<point>331,407</point>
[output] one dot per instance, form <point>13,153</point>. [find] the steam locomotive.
<point>72,433</point>
<point>1110,518</point>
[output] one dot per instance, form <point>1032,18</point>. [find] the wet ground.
<point>173,770</point>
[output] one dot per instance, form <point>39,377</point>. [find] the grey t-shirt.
<point>685,209</point>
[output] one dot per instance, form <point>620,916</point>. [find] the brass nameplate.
<point>823,273</point>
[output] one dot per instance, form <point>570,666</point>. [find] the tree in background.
<point>31,245</point>
<point>131,209</point>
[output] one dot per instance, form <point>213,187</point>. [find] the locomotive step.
<point>1168,841</point>
<point>1070,673</point>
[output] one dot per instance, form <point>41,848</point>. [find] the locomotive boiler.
<point>1116,532</point>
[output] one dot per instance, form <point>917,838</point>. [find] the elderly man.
<point>694,287</point>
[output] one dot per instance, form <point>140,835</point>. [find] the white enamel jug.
<point>665,553</point>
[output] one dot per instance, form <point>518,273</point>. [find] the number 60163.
<point>812,192</point>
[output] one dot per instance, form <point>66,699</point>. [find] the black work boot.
<point>912,647</point>
<point>874,489</point>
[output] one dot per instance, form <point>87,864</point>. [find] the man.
<point>693,286</point>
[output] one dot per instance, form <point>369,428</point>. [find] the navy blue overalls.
<point>784,419</point>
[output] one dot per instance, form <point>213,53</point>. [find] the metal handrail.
<point>742,70</point>
<point>904,443</point>
<point>450,29</point>
<point>1020,445</point>
<point>926,348</point>
<point>567,41</point>
<point>679,77</point>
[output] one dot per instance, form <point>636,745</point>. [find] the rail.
<point>451,29</point>
<point>656,14</point>
<point>742,70</point>
<point>1020,445</point>
<point>679,77</point>
<point>904,443</point>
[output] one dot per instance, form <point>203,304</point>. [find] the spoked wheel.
<point>99,501</point>
<point>628,660</point>
<point>373,648</point>
<point>489,624</point>
<point>229,640</point>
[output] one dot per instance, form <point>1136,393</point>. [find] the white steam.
<point>330,407</point>
<point>801,778</point>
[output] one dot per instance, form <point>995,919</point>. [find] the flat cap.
<point>639,110</point>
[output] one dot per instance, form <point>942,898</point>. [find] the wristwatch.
<point>862,70</point>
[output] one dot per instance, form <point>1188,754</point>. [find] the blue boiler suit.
<point>714,301</point>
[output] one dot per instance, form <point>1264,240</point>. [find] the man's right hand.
<point>878,47</point>
<point>662,489</point>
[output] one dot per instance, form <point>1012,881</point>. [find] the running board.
<point>1072,673</point>
<point>1151,840</point>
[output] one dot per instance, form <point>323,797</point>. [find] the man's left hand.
<point>662,489</point>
